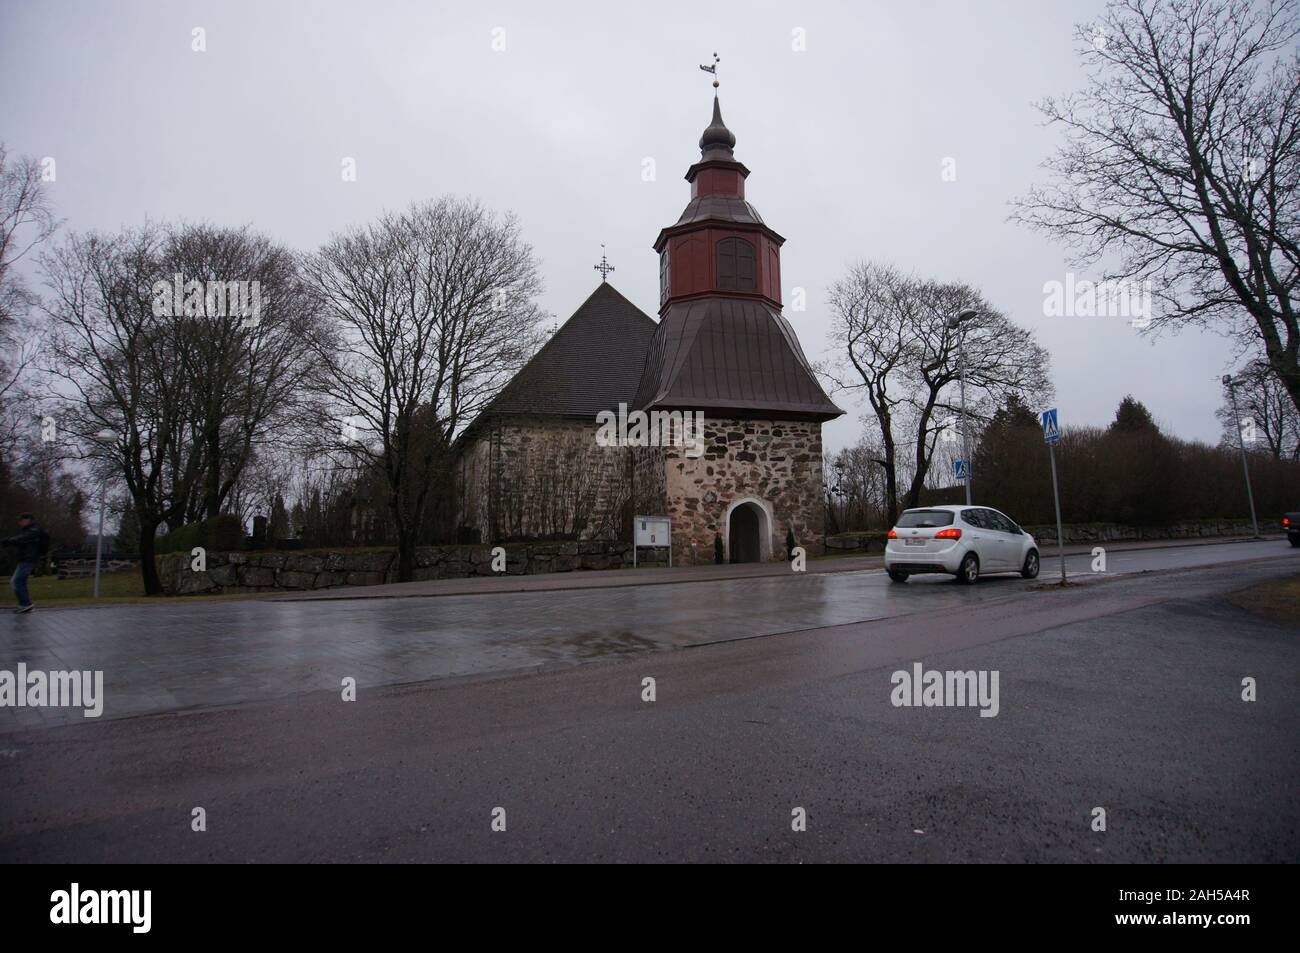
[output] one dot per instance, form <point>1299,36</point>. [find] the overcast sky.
<point>846,141</point>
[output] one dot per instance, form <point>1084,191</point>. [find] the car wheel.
<point>968,572</point>
<point>1030,568</point>
<point>897,575</point>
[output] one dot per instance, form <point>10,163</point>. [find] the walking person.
<point>31,542</point>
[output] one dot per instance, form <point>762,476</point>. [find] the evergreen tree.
<point>1132,416</point>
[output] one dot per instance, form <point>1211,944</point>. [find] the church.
<point>530,466</point>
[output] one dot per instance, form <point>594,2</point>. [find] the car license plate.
<point>915,542</point>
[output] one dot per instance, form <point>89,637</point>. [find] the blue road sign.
<point>960,469</point>
<point>1051,431</point>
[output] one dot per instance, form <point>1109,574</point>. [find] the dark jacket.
<point>30,541</point>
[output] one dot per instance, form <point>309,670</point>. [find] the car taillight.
<point>953,533</point>
<point>892,535</point>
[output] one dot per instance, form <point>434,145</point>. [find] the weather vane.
<point>604,267</point>
<point>713,69</point>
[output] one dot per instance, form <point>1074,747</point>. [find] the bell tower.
<point>720,244</point>
<point>724,352</point>
<point>723,345</point>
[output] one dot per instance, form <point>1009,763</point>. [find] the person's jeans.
<point>19,582</point>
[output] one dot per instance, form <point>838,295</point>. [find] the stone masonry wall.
<point>777,463</point>
<point>550,479</point>
<point>267,572</point>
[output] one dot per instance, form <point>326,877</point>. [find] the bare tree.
<point>1269,421</point>
<point>250,333</point>
<point>26,220</point>
<point>898,350</point>
<point>1000,358</point>
<point>112,366</point>
<point>868,308</point>
<point>1181,163</point>
<point>856,487</point>
<point>431,310</point>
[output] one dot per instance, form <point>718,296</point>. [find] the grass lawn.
<point>1279,601</point>
<point>114,588</point>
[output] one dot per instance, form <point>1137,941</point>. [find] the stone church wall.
<point>543,478</point>
<point>777,463</point>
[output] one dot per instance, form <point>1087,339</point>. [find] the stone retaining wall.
<point>1083,533</point>
<point>1116,533</point>
<point>80,567</point>
<point>269,571</point>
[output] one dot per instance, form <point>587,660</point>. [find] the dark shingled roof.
<point>725,208</point>
<point>592,363</point>
<point>730,354</point>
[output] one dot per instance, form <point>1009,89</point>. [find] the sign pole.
<point>99,538</point>
<point>1056,498</point>
<point>1051,434</point>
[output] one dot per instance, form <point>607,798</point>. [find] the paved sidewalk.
<point>664,575</point>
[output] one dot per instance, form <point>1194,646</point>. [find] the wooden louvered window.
<point>736,268</point>
<point>663,276</point>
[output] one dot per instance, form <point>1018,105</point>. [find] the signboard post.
<point>1051,434</point>
<point>652,531</point>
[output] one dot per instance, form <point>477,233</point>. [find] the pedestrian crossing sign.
<point>1051,430</point>
<point>961,469</point>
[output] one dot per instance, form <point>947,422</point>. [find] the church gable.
<point>592,363</point>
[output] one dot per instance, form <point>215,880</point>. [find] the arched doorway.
<point>744,534</point>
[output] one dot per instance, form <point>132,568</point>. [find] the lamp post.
<point>1229,383</point>
<point>102,437</point>
<point>954,323</point>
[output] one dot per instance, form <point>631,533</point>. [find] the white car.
<point>963,541</point>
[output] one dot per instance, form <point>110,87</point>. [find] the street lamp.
<point>1229,383</point>
<point>103,436</point>
<point>954,322</point>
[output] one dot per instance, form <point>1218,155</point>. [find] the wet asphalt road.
<point>208,654</point>
<point>1122,694</point>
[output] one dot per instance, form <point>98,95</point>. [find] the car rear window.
<point>922,518</point>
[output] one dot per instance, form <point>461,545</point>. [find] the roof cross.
<point>604,267</point>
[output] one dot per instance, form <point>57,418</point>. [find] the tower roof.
<point>731,356</point>
<point>717,147</point>
<point>718,141</point>
<point>723,345</point>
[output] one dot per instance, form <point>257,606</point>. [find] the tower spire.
<point>718,141</point>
